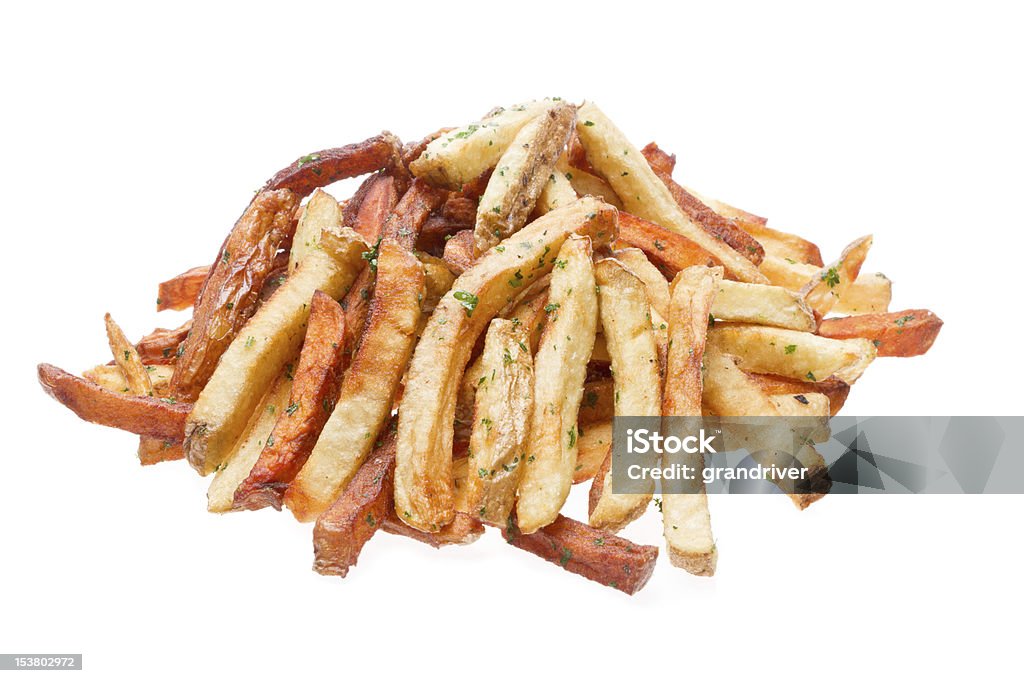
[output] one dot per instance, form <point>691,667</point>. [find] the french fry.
<point>501,423</point>
<point>152,451</point>
<point>230,293</point>
<point>657,286</point>
<point>727,210</point>
<point>660,160</point>
<point>869,292</point>
<point>327,166</point>
<point>126,357</point>
<point>669,251</point>
<point>520,175</point>
<point>644,194</point>
<point>625,317</point>
<point>143,415</point>
<point>832,282</point>
<point>423,482</point>
<point>438,279</point>
<point>598,403</point>
<point>685,515</point>
<point>257,435</point>
<point>321,211</point>
<point>833,389</point>
<point>903,333</point>
<point>783,244</point>
<point>797,355</point>
<point>584,184</point>
<point>762,305</point>
<point>269,340</point>
<point>560,368</point>
<point>713,223</point>
<point>365,506</point>
<point>596,555</point>
<point>595,446</point>
<point>180,291</point>
<point>317,379</point>
<point>369,388</point>
<point>463,154</point>
<point>371,205</point>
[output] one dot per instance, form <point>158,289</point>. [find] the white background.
<point>131,140</point>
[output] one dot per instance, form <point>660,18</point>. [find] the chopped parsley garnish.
<point>468,301</point>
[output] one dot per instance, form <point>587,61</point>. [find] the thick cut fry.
<point>459,252</point>
<point>869,293</point>
<point>501,423</point>
<point>903,333</point>
<point>625,317</point>
<point>596,555</point>
<point>313,393</point>
<point>369,388</point>
<point>112,378</point>
<point>365,506</point>
<point>831,283</point>
<point>685,515</point>
<point>423,480</point>
<point>321,211</point>
<point>143,415</point>
<point>730,392</point>
<point>783,244</point>
<point>700,213</point>
<point>327,166</point>
<point>595,443</point>
<point>232,289</point>
<point>344,528</point>
<point>833,389</point>
<point>180,291</point>
<point>798,355</point>
<point>271,339</point>
<point>465,153</point>
<point>762,305</point>
<point>521,174</point>
<point>257,435</point>
<point>644,194</point>
<point>669,251</point>
<point>560,370</point>
<point>126,357</point>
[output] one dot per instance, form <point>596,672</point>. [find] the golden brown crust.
<point>660,160</point>
<point>903,333</point>
<point>143,415</point>
<point>344,528</point>
<point>370,206</point>
<point>314,390</point>
<point>668,250</point>
<point>459,252</point>
<point>180,291</point>
<point>153,450</point>
<point>231,292</point>
<point>160,347</point>
<point>322,168</point>
<point>596,555</point>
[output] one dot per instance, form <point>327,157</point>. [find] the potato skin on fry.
<point>143,415</point>
<point>322,168</point>
<point>668,250</point>
<point>596,555</point>
<point>313,392</point>
<point>903,333</point>
<point>180,291</point>
<point>232,288</point>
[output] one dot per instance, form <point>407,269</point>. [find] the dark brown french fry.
<point>322,168</point>
<point>668,250</point>
<point>596,555</point>
<point>180,291</point>
<point>903,333</point>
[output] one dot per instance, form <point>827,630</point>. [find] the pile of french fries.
<point>446,349</point>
